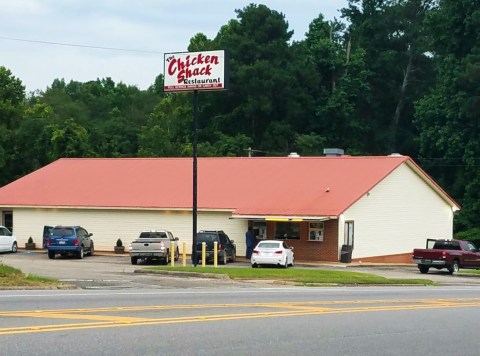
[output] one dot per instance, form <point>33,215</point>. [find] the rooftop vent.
<point>333,152</point>
<point>293,154</point>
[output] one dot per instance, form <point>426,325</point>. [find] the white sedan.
<point>7,240</point>
<point>272,252</point>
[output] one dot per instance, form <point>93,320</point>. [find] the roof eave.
<point>279,218</point>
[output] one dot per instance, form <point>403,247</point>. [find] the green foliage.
<point>119,243</point>
<point>30,240</point>
<point>472,235</point>
<point>447,117</point>
<point>395,76</point>
<point>12,277</point>
<point>8,271</point>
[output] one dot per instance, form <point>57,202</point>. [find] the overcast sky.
<point>151,26</point>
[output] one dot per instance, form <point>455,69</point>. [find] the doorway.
<point>7,220</point>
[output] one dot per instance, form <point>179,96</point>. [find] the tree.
<point>257,42</point>
<point>32,140</point>
<point>168,129</point>
<point>341,87</point>
<point>448,117</point>
<point>12,100</point>
<point>392,34</point>
<point>69,140</point>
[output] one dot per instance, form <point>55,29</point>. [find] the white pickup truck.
<point>153,245</point>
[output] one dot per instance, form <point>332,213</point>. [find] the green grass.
<point>470,271</point>
<point>298,276</point>
<point>11,277</point>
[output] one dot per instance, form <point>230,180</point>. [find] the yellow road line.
<point>226,305</point>
<point>292,309</point>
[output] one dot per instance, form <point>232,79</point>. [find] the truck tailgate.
<point>430,254</point>
<point>148,245</point>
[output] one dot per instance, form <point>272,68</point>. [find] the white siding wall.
<point>109,225</point>
<point>397,216</point>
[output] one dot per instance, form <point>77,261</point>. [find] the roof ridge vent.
<point>293,154</point>
<point>333,152</point>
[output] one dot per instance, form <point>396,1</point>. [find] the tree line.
<point>391,76</point>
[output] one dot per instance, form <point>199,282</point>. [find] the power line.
<point>77,45</point>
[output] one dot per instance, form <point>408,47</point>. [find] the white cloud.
<point>149,25</point>
<point>21,7</point>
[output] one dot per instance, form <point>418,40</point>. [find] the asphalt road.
<point>120,312</point>
<point>242,321</point>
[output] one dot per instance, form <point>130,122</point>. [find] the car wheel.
<point>454,267</point>
<point>166,260</point>
<point>254,265</point>
<point>293,262</point>
<point>14,247</point>
<point>224,260</point>
<point>234,256</point>
<point>81,253</point>
<point>134,260</point>
<point>51,255</point>
<point>92,250</point>
<point>286,263</point>
<point>177,254</point>
<point>423,269</point>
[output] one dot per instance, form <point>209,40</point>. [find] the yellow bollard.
<point>172,253</point>
<point>204,257</point>
<point>184,249</point>
<point>215,256</point>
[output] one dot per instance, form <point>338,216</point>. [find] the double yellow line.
<point>103,318</point>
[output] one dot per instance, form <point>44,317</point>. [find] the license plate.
<point>61,242</point>
<point>427,261</point>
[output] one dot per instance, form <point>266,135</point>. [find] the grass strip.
<point>300,276</point>
<point>12,277</point>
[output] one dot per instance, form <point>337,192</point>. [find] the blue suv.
<point>73,240</point>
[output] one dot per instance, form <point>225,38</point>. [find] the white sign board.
<point>188,71</point>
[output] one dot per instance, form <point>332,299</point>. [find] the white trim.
<point>111,208</point>
<point>291,218</point>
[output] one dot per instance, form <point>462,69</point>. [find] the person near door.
<point>250,241</point>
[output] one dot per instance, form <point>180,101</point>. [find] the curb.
<point>183,274</point>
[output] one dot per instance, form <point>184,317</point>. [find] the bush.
<point>30,240</point>
<point>119,243</point>
<point>472,235</point>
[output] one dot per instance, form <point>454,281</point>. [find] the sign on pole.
<point>195,71</point>
<point>190,71</point>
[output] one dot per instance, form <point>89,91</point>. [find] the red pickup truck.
<point>449,254</point>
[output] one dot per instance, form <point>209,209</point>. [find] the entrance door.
<point>7,218</point>
<point>348,234</point>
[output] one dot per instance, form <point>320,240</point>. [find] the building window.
<point>315,231</point>
<point>287,230</point>
<point>260,230</point>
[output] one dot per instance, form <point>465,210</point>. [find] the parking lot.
<point>115,271</point>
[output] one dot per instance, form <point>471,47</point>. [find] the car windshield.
<point>153,235</point>
<point>62,231</point>
<point>269,245</point>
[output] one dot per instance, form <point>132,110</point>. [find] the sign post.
<point>194,212</point>
<point>195,71</point>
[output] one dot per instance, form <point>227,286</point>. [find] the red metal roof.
<point>275,186</point>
